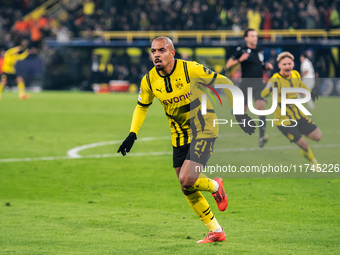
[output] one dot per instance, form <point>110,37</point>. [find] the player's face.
<point>286,66</point>
<point>161,54</point>
<point>24,44</point>
<point>251,38</point>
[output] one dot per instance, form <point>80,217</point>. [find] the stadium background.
<point>86,43</point>
<point>102,203</point>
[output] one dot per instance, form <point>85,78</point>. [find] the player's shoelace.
<point>212,236</point>
<point>218,197</point>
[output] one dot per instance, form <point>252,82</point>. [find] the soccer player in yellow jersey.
<point>192,134</point>
<point>12,56</point>
<point>287,77</point>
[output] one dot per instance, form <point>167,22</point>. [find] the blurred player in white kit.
<point>307,75</point>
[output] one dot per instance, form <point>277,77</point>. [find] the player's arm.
<point>23,55</point>
<point>231,63</point>
<point>269,87</point>
<point>138,118</point>
<point>302,85</point>
<point>268,66</point>
<point>13,51</point>
<point>144,101</point>
<point>237,57</point>
<point>242,119</point>
<point>245,122</point>
<point>265,65</point>
<point>221,79</point>
<point>212,79</point>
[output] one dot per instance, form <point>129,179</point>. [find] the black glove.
<point>246,128</point>
<point>127,144</point>
<point>314,96</point>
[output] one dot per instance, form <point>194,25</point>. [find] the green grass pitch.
<point>103,203</point>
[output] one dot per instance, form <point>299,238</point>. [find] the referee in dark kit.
<point>252,63</point>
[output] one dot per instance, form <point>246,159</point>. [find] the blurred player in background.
<point>307,75</point>
<point>170,79</point>
<point>287,77</point>
<point>2,56</point>
<point>252,63</point>
<point>9,74</point>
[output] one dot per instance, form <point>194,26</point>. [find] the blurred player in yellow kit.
<point>287,77</point>
<point>9,75</point>
<point>169,81</point>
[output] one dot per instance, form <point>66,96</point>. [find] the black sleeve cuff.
<point>141,104</point>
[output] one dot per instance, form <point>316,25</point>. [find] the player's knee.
<point>186,182</point>
<point>317,136</point>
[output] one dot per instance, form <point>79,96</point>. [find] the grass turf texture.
<point>128,205</point>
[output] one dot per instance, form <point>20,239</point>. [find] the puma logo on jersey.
<point>160,90</point>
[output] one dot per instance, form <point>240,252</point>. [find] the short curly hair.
<point>283,55</point>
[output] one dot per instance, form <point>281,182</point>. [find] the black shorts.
<point>304,127</point>
<point>256,84</point>
<point>199,150</point>
<point>11,79</point>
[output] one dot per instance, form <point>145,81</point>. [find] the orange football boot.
<point>220,196</point>
<point>213,237</point>
<point>24,96</point>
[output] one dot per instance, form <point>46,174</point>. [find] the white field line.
<point>73,153</point>
<point>159,153</point>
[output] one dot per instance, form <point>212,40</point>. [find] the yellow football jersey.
<point>181,103</point>
<point>292,112</point>
<point>11,58</point>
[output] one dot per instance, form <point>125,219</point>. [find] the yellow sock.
<point>201,207</point>
<point>309,155</point>
<point>21,87</point>
<point>203,183</point>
